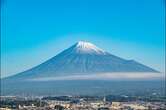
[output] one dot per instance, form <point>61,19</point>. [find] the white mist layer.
<point>106,76</point>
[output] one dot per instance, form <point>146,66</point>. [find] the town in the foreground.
<point>110,102</point>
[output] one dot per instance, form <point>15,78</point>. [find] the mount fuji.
<point>89,63</point>
<point>83,58</point>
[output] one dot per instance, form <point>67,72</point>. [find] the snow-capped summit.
<point>87,48</point>
<point>84,44</point>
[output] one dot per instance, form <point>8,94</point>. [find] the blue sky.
<point>33,31</point>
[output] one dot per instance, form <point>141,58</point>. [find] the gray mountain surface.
<point>83,58</point>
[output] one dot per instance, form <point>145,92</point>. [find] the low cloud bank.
<point>106,76</point>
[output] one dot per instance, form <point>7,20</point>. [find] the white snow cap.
<point>87,47</point>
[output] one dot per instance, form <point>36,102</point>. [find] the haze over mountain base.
<point>83,87</point>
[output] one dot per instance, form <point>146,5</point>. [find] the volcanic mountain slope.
<point>83,58</point>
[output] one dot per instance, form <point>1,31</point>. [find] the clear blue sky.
<point>33,31</point>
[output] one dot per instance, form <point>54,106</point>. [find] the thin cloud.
<point>105,76</point>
